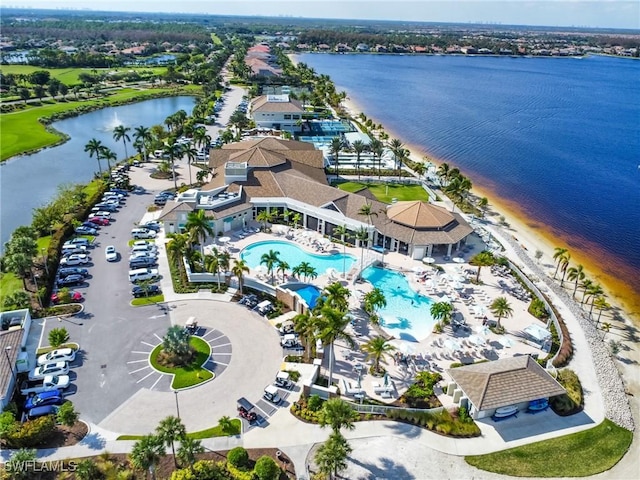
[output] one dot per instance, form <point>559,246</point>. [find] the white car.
<point>58,355</point>
<point>56,368</point>
<point>75,259</point>
<point>110,253</point>
<point>102,214</point>
<point>145,244</point>
<point>141,233</point>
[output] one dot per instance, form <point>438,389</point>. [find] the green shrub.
<point>267,469</point>
<point>538,309</point>
<point>572,401</point>
<point>32,432</point>
<point>238,457</point>
<point>315,403</point>
<point>58,336</point>
<point>294,375</point>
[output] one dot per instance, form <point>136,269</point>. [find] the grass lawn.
<point>14,124</point>
<point>580,454</point>
<point>9,283</point>
<point>184,377</point>
<point>215,39</point>
<point>208,433</point>
<point>43,243</point>
<point>385,193</point>
<point>137,302</point>
<point>69,76</point>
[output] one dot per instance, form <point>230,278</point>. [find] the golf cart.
<point>245,410</point>
<point>191,326</point>
<point>283,380</point>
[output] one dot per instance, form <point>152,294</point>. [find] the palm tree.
<point>443,173</point>
<point>295,218</point>
<point>265,216</point>
<point>337,414</point>
<point>94,147</point>
<point>270,260</point>
<point>358,147</point>
<point>177,246</point>
<point>398,150</point>
<point>331,456</point>
<point>191,153</point>
<point>420,169</point>
<point>362,235</point>
<point>601,303</point>
<point>341,231</point>
<point>335,147</point>
<point>366,211</point>
<point>188,450</point>
<point>373,300</point>
<point>377,148</point>
<point>121,133</point>
<point>170,430</point>
<point>304,324</point>
<point>576,274</point>
<point>441,312</point>
<point>143,135</point>
<point>239,268</point>
<point>336,296</point>
<point>500,307</point>
<point>376,349</point>
<point>146,453</point>
<point>332,326</point>
<point>109,155</point>
<point>565,265</point>
<point>173,150</point>
<point>482,259</point>
<point>212,263</point>
<point>198,227</point>
<point>593,292</point>
<point>586,284</point>
<point>559,254</point>
<point>283,267</point>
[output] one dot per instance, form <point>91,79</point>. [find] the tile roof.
<point>419,214</point>
<point>170,211</point>
<point>262,104</point>
<point>503,382</point>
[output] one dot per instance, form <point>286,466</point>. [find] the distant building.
<point>278,112</point>
<point>362,47</point>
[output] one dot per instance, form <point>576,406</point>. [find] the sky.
<point>576,13</point>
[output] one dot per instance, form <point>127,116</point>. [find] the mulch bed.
<point>66,436</point>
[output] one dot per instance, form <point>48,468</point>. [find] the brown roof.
<point>503,382</point>
<point>267,152</point>
<point>13,339</point>
<point>418,214</point>
<point>263,104</point>
<point>170,211</point>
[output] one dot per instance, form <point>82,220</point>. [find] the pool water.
<point>310,294</point>
<point>294,256</point>
<point>407,314</point>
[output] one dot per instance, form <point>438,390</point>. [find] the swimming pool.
<point>406,315</point>
<point>294,255</point>
<point>309,293</point>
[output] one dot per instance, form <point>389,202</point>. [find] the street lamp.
<point>13,373</point>
<point>177,406</point>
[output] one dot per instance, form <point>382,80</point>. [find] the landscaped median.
<point>580,454</point>
<point>189,375</point>
<point>142,301</point>
<point>220,430</point>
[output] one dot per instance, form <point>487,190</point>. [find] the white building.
<point>279,112</point>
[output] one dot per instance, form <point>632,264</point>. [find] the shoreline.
<point>533,236</point>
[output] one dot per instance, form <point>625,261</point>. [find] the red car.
<point>99,221</point>
<point>73,296</point>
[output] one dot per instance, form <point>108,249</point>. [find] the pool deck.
<point>470,301</point>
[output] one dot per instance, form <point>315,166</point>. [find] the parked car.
<point>160,201</point>
<point>139,190</point>
<point>119,191</point>
<point>146,291</point>
<point>110,253</point>
<point>46,384</point>
<point>75,259</point>
<point>102,214</point>
<point>143,243</point>
<point>106,207</point>
<point>271,394</point>
<point>82,230</point>
<point>13,321</point>
<point>142,274</point>
<point>76,241</point>
<point>142,262</point>
<point>52,397</point>
<point>65,272</point>
<point>70,250</point>
<point>142,233</point>
<point>89,224</point>
<point>56,368</point>
<point>42,411</point>
<point>57,355</point>
<point>73,295</point>
<point>152,225</point>
<point>99,221</point>
<point>70,280</point>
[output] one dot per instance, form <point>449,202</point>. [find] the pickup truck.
<point>49,382</point>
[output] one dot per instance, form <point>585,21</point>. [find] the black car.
<point>90,225</point>
<point>70,280</point>
<point>149,290</point>
<point>65,272</point>
<point>142,262</point>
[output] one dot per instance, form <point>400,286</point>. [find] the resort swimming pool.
<point>309,293</point>
<point>406,315</point>
<point>294,255</point>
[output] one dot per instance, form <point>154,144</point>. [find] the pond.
<point>30,181</point>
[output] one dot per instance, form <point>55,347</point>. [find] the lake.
<point>556,138</point>
<point>30,181</point>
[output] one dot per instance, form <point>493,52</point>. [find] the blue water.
<point>294,255</point>
<point>407,314</point>
<point>310,294</point>
<point>559,139</point>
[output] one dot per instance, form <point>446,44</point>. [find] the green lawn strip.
<point>580,454</point>
<point>9,283</point>
<point>215,39</point>
<point>385,193</point>
<point>208,433</point>
<point>69,76</point>
<point>137,302</point>
<point>192,375</point>
<point>13,125</point>
<point>43,243</point>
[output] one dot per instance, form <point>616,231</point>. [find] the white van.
<point>146,249</point>
<point>141,274</point>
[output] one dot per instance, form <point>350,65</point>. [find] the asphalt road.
<point>109,328</point>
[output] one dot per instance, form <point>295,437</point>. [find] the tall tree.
<point>95,147</point>
<point>482,259</point>
<point>441,312</point>
<point>170,430</point>
<point>358,147</point>
<point>377,348</point>
<point>366,210</point>
<point>559,255</point>
<point>122,133</point>
<point>270,260</point>
<point>337,414</point>
<point>341,231</point>
<point>362,235</point>
<point>188,450</point>
<point>576,274</point>
<point>143,135</point>
<point>398,151</point>
<point>199,226</point>
<point>331,456</point>
<point>336,296</point>
<point>304,324</point>
<point>177,246</point>
<point>173,150</point>
<point>146,453</point>
<point>501,307</point>
<point>335,147</point>
<point>377,148</point>
<point>239,268</point>
<point>374,300</point>
<point>332,326</point>
<point>109,155</point>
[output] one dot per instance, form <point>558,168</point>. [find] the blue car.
<point>52,397</point>
<point>42,411</point>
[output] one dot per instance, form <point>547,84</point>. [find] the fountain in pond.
<point>115,122</point>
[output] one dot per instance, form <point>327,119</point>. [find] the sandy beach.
<point>624,298</point>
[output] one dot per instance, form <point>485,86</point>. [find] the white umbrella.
<point>324,241</point>
<point>224,240</point>
<point>458,260</point>
<point>482,330</point>
<point>477,340</point>
<point>451,344</point>
<point>505,342</point>
<point>445,299</point>
<point>458,286</point>
<point>417,269</point>
<point>406,348</point>
<point>260,269</point>
<point>428,260</point>
<point>430,283</point>
<point>460,278</point>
